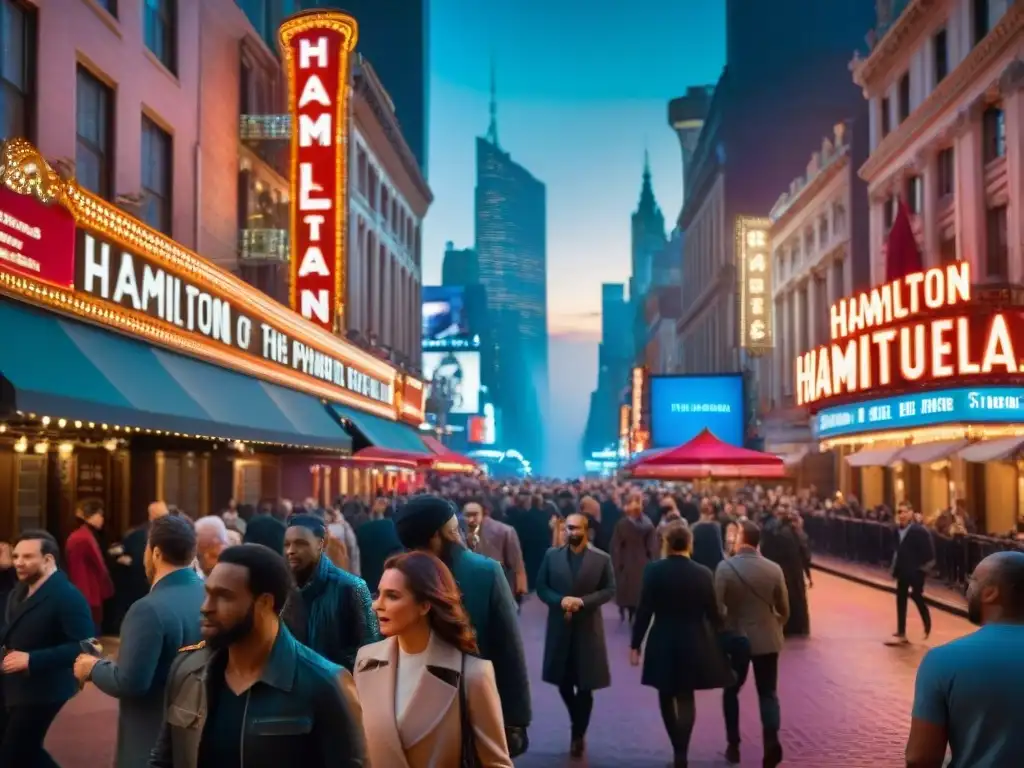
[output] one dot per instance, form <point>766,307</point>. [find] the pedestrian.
<point>377,541</point>
<point>211,539</point>
<point>683,654</point>
<point>497,541</point>
<point>752,590</point>
<point>250,695</point>
<point>135,584</point>
<point>341,530</point>
<point>428,523</point>
<point>154,628</point>
<point>330,610</point>
<point>86,567</point>
<point>707,538</point>
<point>634,544</point>
<point>967,694</point>
<point>575,580</point>
<point>267,528</point>
<point>915,555</point>
<point>783,543</point>
<point>427,692</point>
<point>45,621</point>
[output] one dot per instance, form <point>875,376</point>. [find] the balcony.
<point>264,127</point>
<point>263,245</point>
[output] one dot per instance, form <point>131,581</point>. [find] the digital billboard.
<point>455,377</point>
<point>682,407</point>
<point>444,314</point>
<point>985,405</point>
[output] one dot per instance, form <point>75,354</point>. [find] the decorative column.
<point>1011,84</point>
<point>877,230</point>
<point>926,166</point>
<point>811,299</point>
<point>830,282</point>
<point>785,321</point>
<point>970,190</point>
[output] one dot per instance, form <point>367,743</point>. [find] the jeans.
<point>766,680</point>
<point>914,586</point>
<point>678,712</point>
<point>580,704</point>
<point>21,740</point>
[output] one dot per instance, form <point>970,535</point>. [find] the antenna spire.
<point>492,129</point>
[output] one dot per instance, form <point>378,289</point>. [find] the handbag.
<point>469,757</point>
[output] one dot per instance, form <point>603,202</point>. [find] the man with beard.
<point>428,523</point>
<point>330,610</point>
<point>154,628</point>
<point>45,622</point>
<point>250,695</point>
<point>497,541</point>
<point>967,693</point>
<point>575,581</point>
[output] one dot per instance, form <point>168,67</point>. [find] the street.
<point>845,697</point>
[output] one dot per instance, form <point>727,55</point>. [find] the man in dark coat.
<point>532,524</point>
<point>783,543</point>
<point>267,529</point>
<point>330,610</point>
<point>154,628</point>
<point>45,622</point>
<point>428,523</point>
<point>377,541</point>
<point>707,538</point>
<point>575,581</point>
<point>634,544</point>
<point>915,554</point>
<point>682,654</point>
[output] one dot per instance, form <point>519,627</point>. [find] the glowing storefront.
<point>921,394</point>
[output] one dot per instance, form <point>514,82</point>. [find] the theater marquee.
<point>316,46</point>
<point>922,329</point>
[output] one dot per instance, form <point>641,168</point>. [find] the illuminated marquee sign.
<point>919,329</point>
<point>134,282</point>
<point>316,46</point>
<point>36,241</point>
<point>985,405</point>
<point>753,250</point>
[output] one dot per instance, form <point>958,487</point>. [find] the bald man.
<point>968,692</point>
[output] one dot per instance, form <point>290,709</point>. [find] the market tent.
<point>705,456</point>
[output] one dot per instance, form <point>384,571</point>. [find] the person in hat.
<point>330,610</point>
<point>428,524</point>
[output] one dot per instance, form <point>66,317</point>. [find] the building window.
<point>997,250</point>
<point>886,120</point>
<point>94,112</point>
<point>157,175</point>
<point>915,194</point>
<point>994,133</point>
<point>889,212</point>
<point>904,97</point>
<point>981,20</point>
<point>17,70</point>
<point>940,46</point>
<point>161,31</point>
<point>947,172</point>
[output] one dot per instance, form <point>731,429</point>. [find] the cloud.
<point>584,324</point>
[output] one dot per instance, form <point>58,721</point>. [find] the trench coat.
<point>574,648</point>
<point>634,544</point>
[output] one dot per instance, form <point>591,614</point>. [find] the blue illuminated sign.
<point>683,406</point>
<point>927,409</point>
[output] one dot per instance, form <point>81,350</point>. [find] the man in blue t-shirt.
<point>968,692</point>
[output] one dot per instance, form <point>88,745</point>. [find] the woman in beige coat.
<point>425,695</point>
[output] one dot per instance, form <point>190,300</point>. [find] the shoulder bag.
<point>469,756</point>
<point>753,591</point>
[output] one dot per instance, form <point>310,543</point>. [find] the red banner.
<point>36,241</point>
<point>317,47</point>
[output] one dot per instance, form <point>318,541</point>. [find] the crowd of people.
<point>386,632</point>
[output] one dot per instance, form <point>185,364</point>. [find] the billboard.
<point>682,407</point>
<point>455,377</point>
<point>316,47</point>
<point>444,315</point>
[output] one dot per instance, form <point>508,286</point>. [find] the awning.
<point>926,453</point>
<point>992,450</point>
<point>382,433</point>
<point>389,458</point>
<point>877,457</point>
<point>63,368</point>
<point>447,460</point>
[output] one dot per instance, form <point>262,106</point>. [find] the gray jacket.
<point>154,628</point>
<point>752,590</point>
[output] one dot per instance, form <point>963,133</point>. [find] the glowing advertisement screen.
<point>923,409</point>
<point>683,406</point>
<point>455,378</point>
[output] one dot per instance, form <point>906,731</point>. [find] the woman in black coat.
<point>683,654</point>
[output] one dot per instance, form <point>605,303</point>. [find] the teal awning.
<point>382,433</point>
<point>63,368</point>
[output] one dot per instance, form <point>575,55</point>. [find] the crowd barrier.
<point>874,543</point>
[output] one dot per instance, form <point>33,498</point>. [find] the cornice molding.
<point>804,196</point>
<point>880,62</point>
<point>946,94</point>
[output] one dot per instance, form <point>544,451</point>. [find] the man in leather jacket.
<point>250,695</point>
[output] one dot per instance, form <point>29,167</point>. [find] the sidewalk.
<point>936,593</point>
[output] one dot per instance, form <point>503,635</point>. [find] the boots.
<point>772,749</point>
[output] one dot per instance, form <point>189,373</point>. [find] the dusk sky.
<point>583,87</point>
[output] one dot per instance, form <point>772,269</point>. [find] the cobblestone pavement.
<point>845,697</point>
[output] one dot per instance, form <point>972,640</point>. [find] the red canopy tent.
<point>447,460</point>
<point>707,457</point>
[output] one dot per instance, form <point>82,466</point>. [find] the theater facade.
<point>920,393</point>
<point>131,369</point>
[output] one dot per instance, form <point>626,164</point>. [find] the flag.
<point>902,256</point>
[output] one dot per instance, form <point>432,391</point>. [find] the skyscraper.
<point>460,266</point>
<point>648,228</point>
<point>511,247</point>
<point>395,36</point>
